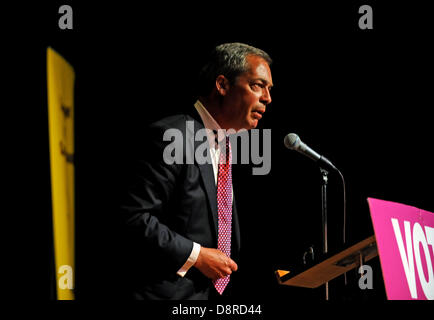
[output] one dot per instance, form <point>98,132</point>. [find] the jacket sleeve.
<point>148,204</point>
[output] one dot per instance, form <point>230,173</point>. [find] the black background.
<point>360,97</point>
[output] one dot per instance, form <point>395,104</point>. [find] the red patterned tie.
<point>224,206</point>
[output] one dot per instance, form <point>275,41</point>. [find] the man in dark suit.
<point>182,229</point>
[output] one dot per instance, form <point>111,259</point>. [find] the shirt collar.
<point>210,123</point>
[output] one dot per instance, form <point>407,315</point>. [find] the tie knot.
<point>225,151</point>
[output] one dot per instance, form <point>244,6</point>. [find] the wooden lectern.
<point>330,267</point>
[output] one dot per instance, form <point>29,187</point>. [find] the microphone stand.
<point>324,175</point>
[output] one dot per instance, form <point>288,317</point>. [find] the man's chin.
<point>251,124</point>
<point>254,123</point>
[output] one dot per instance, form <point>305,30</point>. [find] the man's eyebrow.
<point>265,81</point>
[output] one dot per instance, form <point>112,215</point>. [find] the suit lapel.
<point>206,172</point>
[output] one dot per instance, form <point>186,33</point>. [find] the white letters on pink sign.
<point>408,259</point>
<point>419,238</point>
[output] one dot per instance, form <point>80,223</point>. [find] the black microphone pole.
<point>324,180</point>
<point>293,142</point>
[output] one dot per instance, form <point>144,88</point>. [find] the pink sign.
<point>405,241</point>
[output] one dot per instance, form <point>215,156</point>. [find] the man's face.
<point>245,101</point>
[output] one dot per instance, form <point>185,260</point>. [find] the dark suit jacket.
<point>167,207</point>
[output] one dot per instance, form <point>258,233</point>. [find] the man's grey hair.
<point>230,60</point>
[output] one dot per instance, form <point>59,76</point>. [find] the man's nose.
<point>266,96</point>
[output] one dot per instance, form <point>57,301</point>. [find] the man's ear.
<point>222,85</point>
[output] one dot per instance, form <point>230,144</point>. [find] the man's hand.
<point>214,264</point>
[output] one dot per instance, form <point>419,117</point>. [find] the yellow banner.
<point>60,85</point>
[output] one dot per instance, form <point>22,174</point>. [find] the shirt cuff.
<point>191,260</point>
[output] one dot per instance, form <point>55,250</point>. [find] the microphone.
<point>293,142</point>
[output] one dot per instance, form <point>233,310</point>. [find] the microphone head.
<point>292,141</point>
